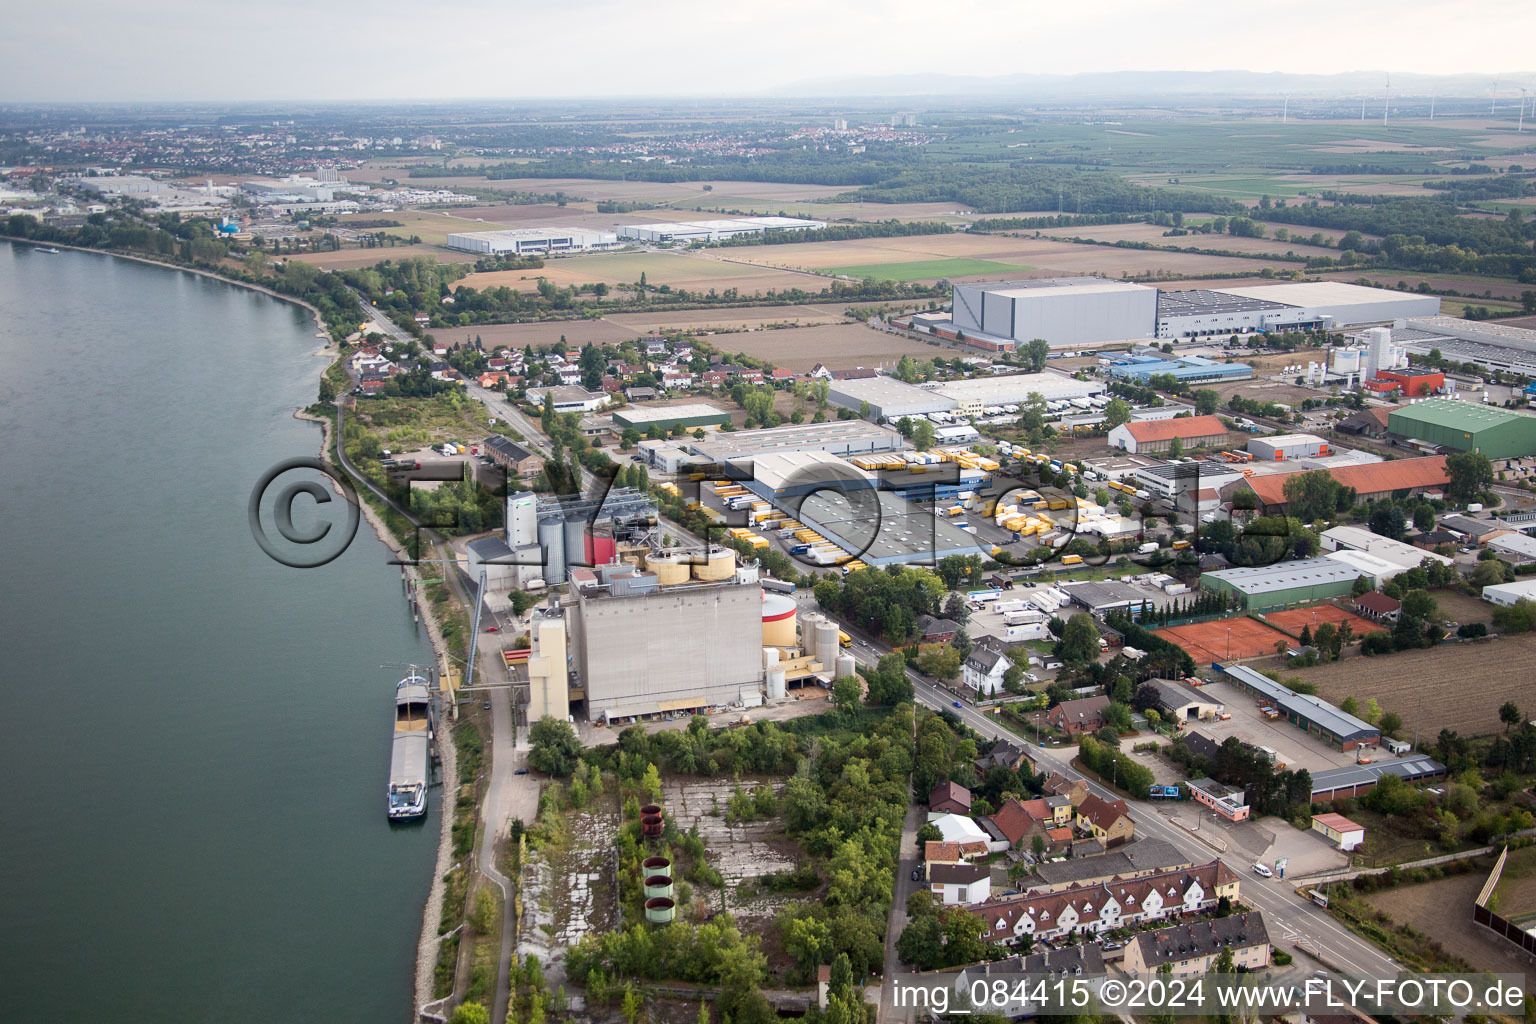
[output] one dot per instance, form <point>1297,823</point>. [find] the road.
<point>1290,920</point>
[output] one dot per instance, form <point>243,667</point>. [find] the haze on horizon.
<point>177,50</point>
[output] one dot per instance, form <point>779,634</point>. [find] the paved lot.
<point>1296,748</point>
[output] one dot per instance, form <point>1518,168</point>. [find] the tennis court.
<point>1224,639</point>
<point>1293,619</point>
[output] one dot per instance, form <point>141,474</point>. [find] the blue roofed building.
<point>1142,367</point>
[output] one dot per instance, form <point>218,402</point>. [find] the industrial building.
<point>1065,311</point>
<point>1371,481</point>
<point>569,397</point>
<point>1355,538</point>
<point>672,233</point>
<point>888,398</point>
<point>1141,368</point>
<point>641,647</point>
<point>1317,717</point>
<point>1466,426</point>
<point>1329,305</point>
<point>670,417</point>
<point>836,437</point>
<point>1494,345</point>
<point>1158,435</point>
<point>1015,389</point>
<point>1286,446</point>
<point>549,693</point>
<point>1285,583</point>
<point>1506,594</point>
<point>1359,779</point>
<point>532,241</point>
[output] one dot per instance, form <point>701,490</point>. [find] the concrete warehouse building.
<point>1494,345</point>
<point>668,417</point>
<point>1015,389</point>
<point>672,233</point>
<point>1065,311</point>
<point>1354,538</point>
<point>1286,446</point>
<point>1157,435</point>
<point>1317,717</point>
<point>542,241</point>
<point>888,398</point>
<point>1466,426</point>
<point>1284,583</point>
<point>1294,306</point>
<point>640,648</point>
<point>1142,368</point>
<point>835,437</point>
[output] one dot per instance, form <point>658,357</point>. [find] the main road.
<point>1287,917</point>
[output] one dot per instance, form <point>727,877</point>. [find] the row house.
<point>673,381</point>
<point>1092,909</point>
<point>1191,950</point>
<point>569,374</point>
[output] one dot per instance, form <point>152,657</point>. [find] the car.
<point>917,875</point>
<point>956,704</point>
<point>1109,945</point>
<point>486,705</point>
<point>1262,870</point>
<point>493,629</point>
<point>636,458</point>
<point>521,771</point>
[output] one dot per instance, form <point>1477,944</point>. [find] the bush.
<point>1282,959</point>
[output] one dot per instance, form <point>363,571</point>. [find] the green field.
<point>923,270</point>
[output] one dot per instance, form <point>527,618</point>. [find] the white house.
<point>960,885</point>
<point>984,668</point>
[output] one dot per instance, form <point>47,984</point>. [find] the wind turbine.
<point>1285,109</point>
<point>1521,127</point>
<point>1493,96</point>
<point>1386,105</point>
<point>1431,106</point>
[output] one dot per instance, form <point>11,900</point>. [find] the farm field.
<point>433,228</point>
<point>575,332</point>
<point>742,318</point>
<point>927,270</point>
<point>1153,235</point>
<point>678,270</point>
<point>1453,686</point>
<point>1498,288</point>
<point>1224,639</point>
<point>349,259</point>
<point>840,347</point>
<point>1443,909</point>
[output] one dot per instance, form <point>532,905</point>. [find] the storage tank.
<point>658,885</point>
<point>776,687</point>
<point>826,643</point>
<point>778,620</point>
<point>670,569</point>
<point>652,822</point>
<point>575,531</point>
<point>845,666</point>
<point>552,537</point>
<point>656,866</point>
<point>660,910</point>
<point>718,564</point>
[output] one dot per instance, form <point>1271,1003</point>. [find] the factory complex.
<point>671,233</point>
<point>890,399</point>
<point>532,241</point>
<point>1466,426</point>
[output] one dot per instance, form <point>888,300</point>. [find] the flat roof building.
<point>674,232</point>
<point>668,417</point>
<point>1358,779</point>
<point>1015,388</point>
<point>1355,538</point>
<point>888,398</point>
<point>1506,594</point>
<point>1284,583</point>
<point>1286,446</point>
<point>1494,345</point>
<point>1065,311</point>
<point>1466,426</point>
<point>1342,304</point>
<point>1317,717</point>
<point>543,241</point>
<point>1186,369</point>
<point>835,437</point>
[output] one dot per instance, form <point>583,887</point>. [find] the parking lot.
<point>1296,748</point>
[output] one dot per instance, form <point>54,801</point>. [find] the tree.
<point>1387,521</point>
<point>470,1013</point>
<point>555,748</point>
<point>1424,517</point>
<point>1350,706</point>
<point>632,1006</point>
<point>1362,585</point>
<point>1487,573</point>
<point>1035,352</point>
<point>1176,448</point>
<point>1391,722</point>
<point>845,693</point>
<point>923,435</point>
<point>1116,413</point>
<point>1471,474</point>
<point>650,782</point>
<point>941,662</point>
<point>1509,714</point>
<point>1206,402</point>
<point>1079,642</point>
<point>1419,605</point>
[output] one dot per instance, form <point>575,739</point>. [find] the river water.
<point>194,746</point>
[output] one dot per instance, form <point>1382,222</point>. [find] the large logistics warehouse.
<point>1015,388</point>
<point>1292,306</point>
<point>672,233</point>
<point>1065,311</point>
<point>1494,345</point>
<point>836,437</point>
<point>1284,583</point>
<point>1466,426</point>
<point>516,241</point>
<point>1339,729</point>
<point>888,397</point>
<point>668,417</point>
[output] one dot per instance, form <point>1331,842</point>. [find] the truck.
<point>1147,548</point>
<point>1144,495</point>
<point>843,639</point>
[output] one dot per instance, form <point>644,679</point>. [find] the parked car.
<point>521,771</point>
<point>1262,870</point>
<point>486,706</point>
<point>917,875</point>
<point>955,703</point>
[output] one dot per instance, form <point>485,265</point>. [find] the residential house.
<point>1057,784</point>
<point>936,851</point>
<point>1433,539</point>
<point>959,885</point>
<point>949,798</point>
<point>1004,754</point>
<point>962,831</point>
<point>935,630</point>
<point>1013,1001</point>
<point>1073,717</point>
<point>985,667</point>
<point>1133,860</point>
<point>492,379</point>
<point>1092,909</point>
<point>1231,802</point>
<point>1109,821</point>
<point>1191,950</point>
<point>750,376</point>
<point>570,374</point>
<point>781,376</point>
<point>1201,745</point>
<point>516,458</point>
<point>496,363</point>
<point>673,381</point>
<point>1019,821</point>
<point>1376,606</point>
<point>654,344</point>
<point>714,378</point>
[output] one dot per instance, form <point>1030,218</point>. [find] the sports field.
<point>1224,639</point>
<point>923,270</point>
<point>1294,619</point>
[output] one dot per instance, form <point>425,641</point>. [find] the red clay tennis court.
<point>1211,641</point>
<point>1293,619</point>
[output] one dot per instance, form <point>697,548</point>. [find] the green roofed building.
<point>667,417</point>
<point>1466,426</point>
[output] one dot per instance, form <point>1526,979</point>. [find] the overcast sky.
<point>392,49</point>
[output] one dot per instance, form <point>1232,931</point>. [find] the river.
<point>194,745</point>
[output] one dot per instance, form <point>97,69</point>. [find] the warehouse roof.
<point>1182,427</point>
<point>1385,548</point>
<point>1519,590</point>
<point>886,391</point>
<point>795,438</point>
<point>1319,293</point>
<point>1286,440</point>
<point>1267,579</point>
<point>664,413</point>
<point>1305,706</point>
<point>1365,478</point>
<point>1409,769</point>
<point>1007,388</point>
<point>1040,287</point>
<point>1455,414</point>
<point>1194,301</point>
<point>777,470</point>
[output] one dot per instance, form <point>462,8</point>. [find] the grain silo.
<point>776,687</point>
<point>846,666</point>
<point>718,564</point>
<point>575,531</point>
<point>552,538</point>
<point>826,644</point>
<point>778,620</point>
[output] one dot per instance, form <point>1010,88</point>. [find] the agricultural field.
<point>678,270</point>
<point>575,332</point>
<point>1467,284</point>
<point>1153,235</point>
<point>840,347</point>
<point>1422,687</point>
<point>1443,909</point>
<point>351,259</point>
<point>432,228</point>
<point>745,318</point>
<point>928,270</point>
